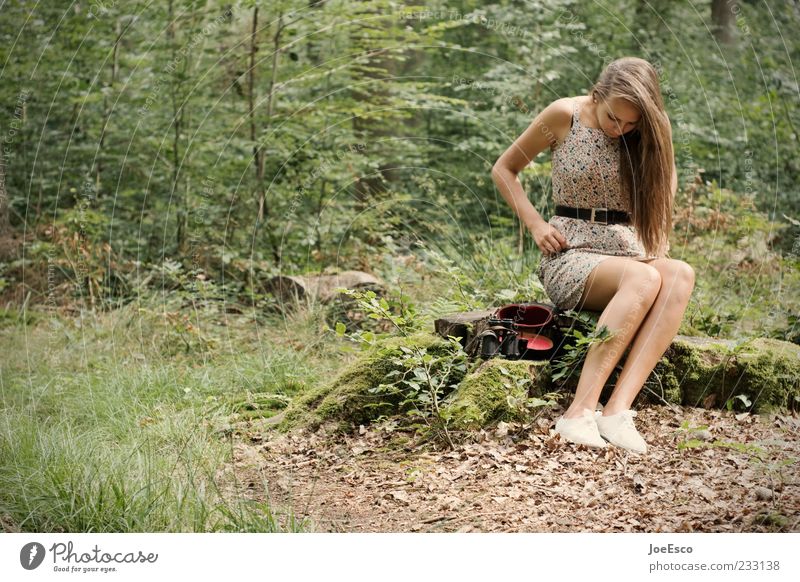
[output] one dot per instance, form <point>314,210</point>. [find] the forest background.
<point>162,161</point>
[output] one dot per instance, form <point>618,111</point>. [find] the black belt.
<point>600,215</point>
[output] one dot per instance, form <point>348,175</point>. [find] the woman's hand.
<point>549,240</point>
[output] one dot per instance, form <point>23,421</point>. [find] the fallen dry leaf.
<point>371,481</point>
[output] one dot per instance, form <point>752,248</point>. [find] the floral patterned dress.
<point>585,174</point>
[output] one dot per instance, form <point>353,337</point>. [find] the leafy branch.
<point>575,352</point>
<point>423,381</point>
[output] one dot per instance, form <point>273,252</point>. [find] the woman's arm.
<point>547,129</point>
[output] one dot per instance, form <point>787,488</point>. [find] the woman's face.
<point>617,116</point>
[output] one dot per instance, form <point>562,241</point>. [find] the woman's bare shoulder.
<point>560,110</point>
<point>557,118</point>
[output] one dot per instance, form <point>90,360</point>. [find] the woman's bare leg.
<point>655,334</point>
<point>625,290</point>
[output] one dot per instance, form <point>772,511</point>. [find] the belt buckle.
<point>605,210</point>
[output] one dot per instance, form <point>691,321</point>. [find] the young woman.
<point>614,181</point>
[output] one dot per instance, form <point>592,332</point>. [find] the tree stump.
<point>467,326</point>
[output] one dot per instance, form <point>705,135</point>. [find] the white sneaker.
<point>619,430</point>
<point>581,430</point>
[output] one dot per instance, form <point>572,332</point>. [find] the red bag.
<point>522,331</point>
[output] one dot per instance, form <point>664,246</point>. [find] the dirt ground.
<point>739,474</point>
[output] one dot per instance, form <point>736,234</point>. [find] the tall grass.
<point>99,432</point>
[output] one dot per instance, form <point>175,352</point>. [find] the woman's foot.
<point>581,430</point>
<point>619,430</point>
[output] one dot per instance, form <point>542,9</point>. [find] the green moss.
<point>347,398</point>
<point>773,521</point>
<point>665,377</point>
<point>694,371</point>
<point>487,393</point>
<point>765,370</point>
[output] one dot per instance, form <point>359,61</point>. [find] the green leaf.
<point>691,444</point>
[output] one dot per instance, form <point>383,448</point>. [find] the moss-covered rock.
<point>347,399</point>
<point>491,392</point>
<point>663,384</point>
<point>710,372</point>
<point>694,371</point>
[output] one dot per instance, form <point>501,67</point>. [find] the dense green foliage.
<point>235,140</point>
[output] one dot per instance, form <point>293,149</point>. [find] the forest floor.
<point>705,471</point>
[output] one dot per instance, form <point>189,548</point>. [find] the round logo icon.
<point>31,555</point>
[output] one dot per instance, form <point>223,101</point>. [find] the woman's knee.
<point>678,278</point>
<point>684,274</point>
<point>644,279</point>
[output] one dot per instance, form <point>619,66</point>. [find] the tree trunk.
<point>723,19</point>
<point>107,108</point>
<point>251,100</point>
<point>276,45</point>
<point>177,124</point>
<point>258,154</point>
<point>7,246</point>
<point>259,161</point>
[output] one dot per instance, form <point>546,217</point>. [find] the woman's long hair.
<point>646,154</point>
